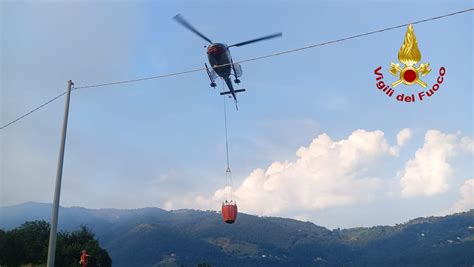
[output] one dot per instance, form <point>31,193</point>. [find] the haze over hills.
<point>155,237</point>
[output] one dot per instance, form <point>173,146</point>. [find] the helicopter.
<point>221,61</point>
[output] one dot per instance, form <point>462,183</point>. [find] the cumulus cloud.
<point>327,173</point>
<point>467,144</point>
<point>429,172</point>
<point>403,136</point>
<point>466,199</point>
<point>334,173</point>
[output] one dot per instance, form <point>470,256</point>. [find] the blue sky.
<point>161,142</point>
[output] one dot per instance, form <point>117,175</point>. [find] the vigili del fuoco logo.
<point>409,73</point>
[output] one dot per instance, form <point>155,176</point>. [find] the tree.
<point>25,244</point>
<point>34,237</point>
<point>71,244</point>
<point>28,244</point>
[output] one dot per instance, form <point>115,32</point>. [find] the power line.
<point>355,36</point>
<point>242,61</point>
<point>33,110</point>
<point>279,53</point>
<point>142,79</point>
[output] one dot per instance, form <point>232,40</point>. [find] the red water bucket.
<point>229,212</point>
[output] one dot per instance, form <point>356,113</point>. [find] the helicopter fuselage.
<point>220,59</point>
<point>219,54</point>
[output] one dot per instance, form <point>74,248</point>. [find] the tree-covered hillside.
<point>154,237</point>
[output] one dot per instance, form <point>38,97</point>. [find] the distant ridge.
<point>156,237</point>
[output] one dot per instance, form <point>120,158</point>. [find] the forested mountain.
<point>155,237</point>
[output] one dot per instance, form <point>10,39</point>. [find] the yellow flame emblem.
<point>409,55</point>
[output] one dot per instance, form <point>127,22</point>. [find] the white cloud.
<point>403,136</point>
<point>171,205</point>
<point>466,200</point>
<point>428,173</point>
<point>331,173</point>
<point>192,200</point>
<point>325,174</point>
<point>467,144</point>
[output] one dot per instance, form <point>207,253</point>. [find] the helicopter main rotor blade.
<point>258,39</point>
<point>186,24</point>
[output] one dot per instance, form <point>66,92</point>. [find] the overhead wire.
<point>241,61</point>
<point>33,110</point>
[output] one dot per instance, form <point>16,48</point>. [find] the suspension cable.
<point>228,172</point>
<point>226,136</point>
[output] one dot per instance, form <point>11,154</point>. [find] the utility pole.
<point>57,189</point>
